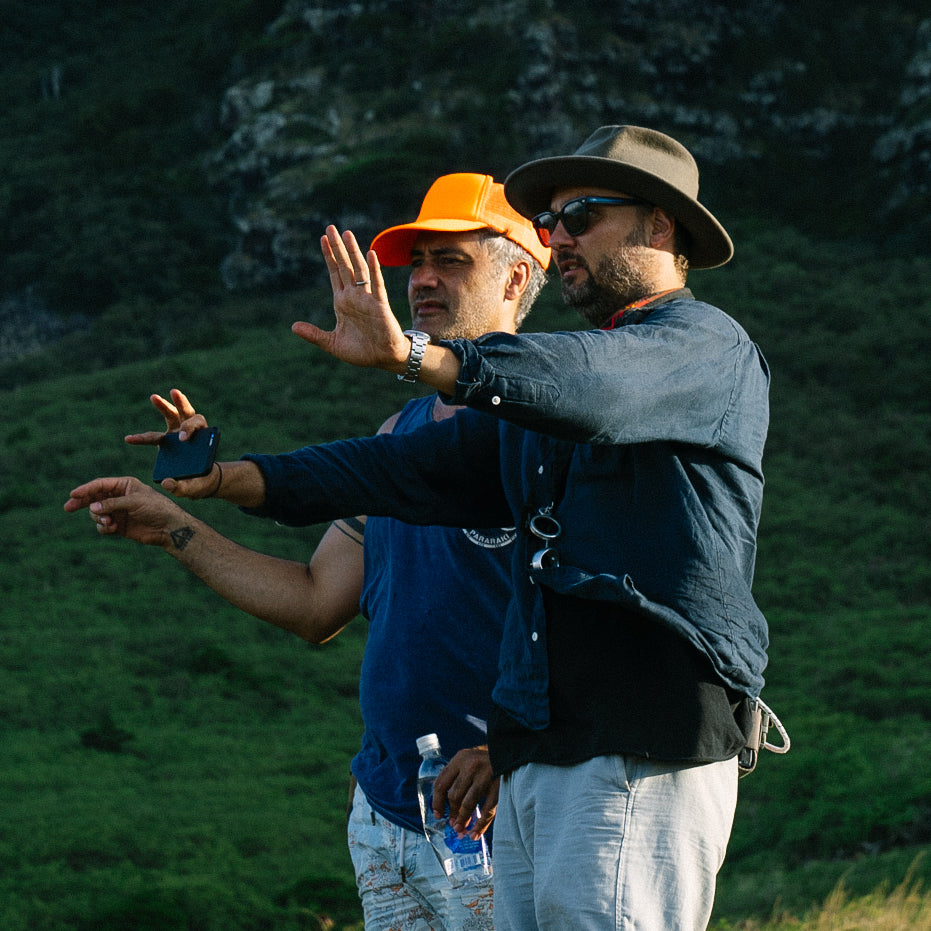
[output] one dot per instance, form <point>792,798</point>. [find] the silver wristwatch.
<point>419,341</point>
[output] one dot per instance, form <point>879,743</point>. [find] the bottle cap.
<point>427,742</point>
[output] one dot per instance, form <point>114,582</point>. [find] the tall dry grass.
<point>905,908</point>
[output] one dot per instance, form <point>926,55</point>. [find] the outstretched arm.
<point>314,601</point>
<point>367,332</point>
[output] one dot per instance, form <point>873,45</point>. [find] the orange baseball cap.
<point>455,204</point>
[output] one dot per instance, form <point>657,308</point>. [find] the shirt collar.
<point>651,301</point>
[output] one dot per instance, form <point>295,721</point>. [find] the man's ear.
<point>517,282</point>
<point>663,229</point>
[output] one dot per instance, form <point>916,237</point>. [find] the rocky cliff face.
<point>814,113</point>
<point>361,105</point>
<point>903,150</point>
<point>27,325</point>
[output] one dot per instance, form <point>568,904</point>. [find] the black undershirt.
<point>621,683</point>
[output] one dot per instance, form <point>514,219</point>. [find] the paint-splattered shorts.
<point>402,885</point>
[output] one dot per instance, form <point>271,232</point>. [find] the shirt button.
<point>534,636</point>
<point>496,400</point>
<point>539,470</point>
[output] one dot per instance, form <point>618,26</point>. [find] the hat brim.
<point>393,245</point>
<point>529,190</point>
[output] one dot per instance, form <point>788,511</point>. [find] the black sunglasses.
<point>574,215</point>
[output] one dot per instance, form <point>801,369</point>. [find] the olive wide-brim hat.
<point>634,161</point>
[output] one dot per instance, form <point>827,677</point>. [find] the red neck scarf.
<point>616,319</point>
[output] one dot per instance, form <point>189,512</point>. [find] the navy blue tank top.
<point>435,598</point>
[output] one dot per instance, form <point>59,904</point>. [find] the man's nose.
<point>559,236</point>
<point>424,276</point>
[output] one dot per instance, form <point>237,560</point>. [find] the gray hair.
<point>506,253</point>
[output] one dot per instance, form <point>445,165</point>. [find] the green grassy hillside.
<point>167,762</point>
<point>168,758</point>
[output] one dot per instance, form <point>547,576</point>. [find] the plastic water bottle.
<point>464,861</point>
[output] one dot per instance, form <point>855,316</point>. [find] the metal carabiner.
<point>544,526</point>
<point>770,720</point>
<point>545,559</point>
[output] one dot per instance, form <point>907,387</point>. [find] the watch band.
<point>419,341</point>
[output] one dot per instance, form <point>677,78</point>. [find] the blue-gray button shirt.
<point>662,426</point>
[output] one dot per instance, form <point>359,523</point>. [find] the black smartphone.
<point>193,457</point>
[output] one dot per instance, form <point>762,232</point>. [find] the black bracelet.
<point>216,490</point>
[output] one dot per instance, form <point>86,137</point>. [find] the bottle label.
<point>464,861</point>
<point>469,863</point>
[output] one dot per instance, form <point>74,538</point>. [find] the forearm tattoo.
<point>181,537</point>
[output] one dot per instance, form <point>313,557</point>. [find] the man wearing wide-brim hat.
<point>628,456</point>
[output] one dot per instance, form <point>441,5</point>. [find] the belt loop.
<point>401,851</point>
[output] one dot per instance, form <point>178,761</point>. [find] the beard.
<point>627,276</point>
<point>468,313</point>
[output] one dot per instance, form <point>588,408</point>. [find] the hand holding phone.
<point>190,459</point>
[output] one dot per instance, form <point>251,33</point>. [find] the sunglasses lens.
<point>544,223</point>
<point>575,217</point>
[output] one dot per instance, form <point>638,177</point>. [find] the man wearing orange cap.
<point>476,267</point>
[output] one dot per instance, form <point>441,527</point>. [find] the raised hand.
<point>366,332</point>
<point>180,417</point>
